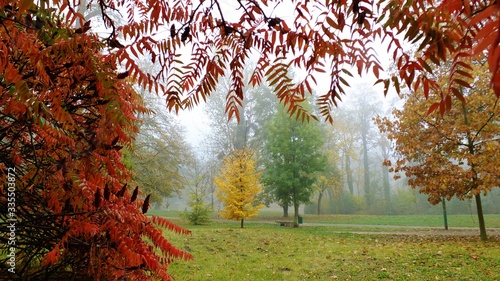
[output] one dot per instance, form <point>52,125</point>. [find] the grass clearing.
<point>470,220</point>
<point>264,251</point>
<point>463,220</point>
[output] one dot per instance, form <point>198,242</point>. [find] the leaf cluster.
<point>321,37</point>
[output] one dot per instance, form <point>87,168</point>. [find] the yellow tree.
<point>451,155</point>
<point>238,186</point>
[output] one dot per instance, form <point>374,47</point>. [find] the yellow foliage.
<point>238,186</point>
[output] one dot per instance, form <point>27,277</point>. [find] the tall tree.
<point>342,136</point>
<point>294,155</point>
<point>450,155</point>
<point>159,152</point>
<point>365,108</point>
<point>385,151</point>
<point>199,186</point>
<point>330,182</point>
<point>239,186</point>
<point>257,108</point>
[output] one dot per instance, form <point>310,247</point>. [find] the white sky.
<point>196,124</point>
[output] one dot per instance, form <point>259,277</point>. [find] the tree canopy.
<point>65,115</point>
<point>238,186</point>
<point>319,37</point>
<point>159,152</point>
<point>451,155</point>
<point>293,156</point>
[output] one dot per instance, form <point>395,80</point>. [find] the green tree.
<point>451,155</point>
<point>294,155</point>
<point>238,186</point>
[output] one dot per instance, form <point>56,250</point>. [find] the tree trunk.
<point>387,190</point>
<point>445,215</point>
<point>285,211</point>
<point>319,202</point>
<point>242,222</point>
<point>479,206</point>
<point>480,218</point>
<point>296,214</point>
<point>348,171</point>
<point>366,172</point>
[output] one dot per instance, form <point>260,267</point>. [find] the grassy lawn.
<point>264,251</point>
<point>470,220</point>
<point>413,220</point>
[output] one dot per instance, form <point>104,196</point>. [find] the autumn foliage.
<point>332,37</point>
<point>66,108</point>
<point>65,114</point>
<point>455,155</point>
<point>239,187</point>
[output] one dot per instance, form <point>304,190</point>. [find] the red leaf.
<point>171,226</point>
<point>433,108</point>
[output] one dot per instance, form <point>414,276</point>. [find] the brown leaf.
<point>134,194</point>
<point>355,6</point>
<point>145,205</point>
<point>115,140</point>
<point>273,22</point>
<point>185,34</point>
<point>85,28</point>
<point>122,75</point>
<point>107,193</point>
<point>97,198</point>
<point>361,18</point>
<point>172,31</point>
<point>114,43</point>
<point>122,191</point>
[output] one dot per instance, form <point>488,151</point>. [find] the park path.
<point>409,230</point>
<point>403,230</point>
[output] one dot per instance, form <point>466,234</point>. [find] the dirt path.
<point>410,230</point>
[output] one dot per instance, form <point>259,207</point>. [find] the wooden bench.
<point>285,223</point>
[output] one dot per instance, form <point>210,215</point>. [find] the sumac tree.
<point>65,114</point>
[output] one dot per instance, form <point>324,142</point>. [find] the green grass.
<point>470,220</point>
<point>491,220</point>
<point>263,251</point>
